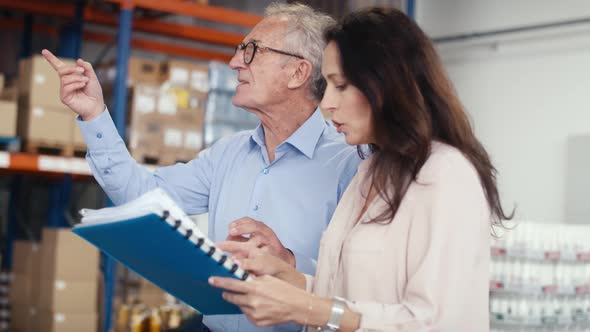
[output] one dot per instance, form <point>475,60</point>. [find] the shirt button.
<point>255,208</point>
<point>107,171</point>
<point>265,171</point>
<point>99,135</point>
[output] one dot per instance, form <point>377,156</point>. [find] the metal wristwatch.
<point>338,306</point>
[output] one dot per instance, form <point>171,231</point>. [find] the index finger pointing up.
<point>52,59</point>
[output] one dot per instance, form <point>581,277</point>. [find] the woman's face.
<point>350,109</point>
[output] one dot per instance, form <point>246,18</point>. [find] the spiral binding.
<point>199,244</point>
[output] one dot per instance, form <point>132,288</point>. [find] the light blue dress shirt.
<point>295,195</point>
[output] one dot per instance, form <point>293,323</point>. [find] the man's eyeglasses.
<point>250,49</point>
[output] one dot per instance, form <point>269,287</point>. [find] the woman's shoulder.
<point>446,162</point>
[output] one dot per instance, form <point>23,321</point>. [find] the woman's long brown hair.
<point>394,64</point>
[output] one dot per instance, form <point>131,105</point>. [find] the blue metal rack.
<point>120,103</point>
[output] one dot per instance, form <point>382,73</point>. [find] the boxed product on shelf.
<point>25,318</point>
<point>43,120</point>
<point>69,296</point>
<point>139,70</point>
<point>39,81</point>
<point>166,123</point>
<point>181,103</point>
<point>190,75</point>
<point>68,322</point>
<point>69,277</point>
<point>24,286</point>
<point>222,77</point>
<point>45,124</point>
<point>540,278</point>
<point>25,290</point>
<point>1,82</point>
<point>65,256</point>
<point>8,115</point>
<point>222,118</point>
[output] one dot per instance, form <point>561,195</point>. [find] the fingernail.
<point>212,280</point>
<point>233,231</point>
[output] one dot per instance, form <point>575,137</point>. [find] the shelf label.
<point>4,159</point>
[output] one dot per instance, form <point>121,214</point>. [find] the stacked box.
<point>8,116</point>
<point>69,282</point>
<point>42,117</point>
<point>166,107</point>
<point>7,111</point>
<point>222,118</point>
<point>182,100</point>
<point>24,291</point>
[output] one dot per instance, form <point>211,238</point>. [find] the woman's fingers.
<point>230,284</point>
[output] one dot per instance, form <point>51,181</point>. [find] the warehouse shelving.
<point>74,168</point>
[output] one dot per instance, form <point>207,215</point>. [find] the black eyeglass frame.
<point>243,46</point>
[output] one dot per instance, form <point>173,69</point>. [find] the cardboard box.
<point>69,296</point>
<point>25,289</point>
<point>26,257</point>
<point>189,75</point>
<point>25,318</point>
<point>145,123</point>
<point>40,82</point>
<point>9,93</point>
<point>146,133</point>
<point>8,115</point>
<point>143,71</point>
<point>139,71</point>
<point>68,322</point>
<point>181,103</point>
<point>52,125</point>
<point>65,256</point>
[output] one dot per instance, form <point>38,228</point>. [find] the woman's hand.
<point>266,300</point>
<point>260,262</point>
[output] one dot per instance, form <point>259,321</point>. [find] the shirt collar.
<point>304,139</point>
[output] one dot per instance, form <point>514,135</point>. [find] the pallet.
<point>9,144</point>
<point>54,149</point>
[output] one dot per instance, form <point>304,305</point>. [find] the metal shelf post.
<point>120,111</point>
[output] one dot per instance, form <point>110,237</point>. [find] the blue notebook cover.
<point>167,250</point>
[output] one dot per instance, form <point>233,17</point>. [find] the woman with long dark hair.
<point>408,246</point>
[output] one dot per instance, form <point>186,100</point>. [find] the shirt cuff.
<point>304,264</point>
<point>99,133</point>
<point>308,283</point>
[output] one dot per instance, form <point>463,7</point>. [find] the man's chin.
<point>239,102</point>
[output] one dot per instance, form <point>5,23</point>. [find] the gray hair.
<point>305,36</point>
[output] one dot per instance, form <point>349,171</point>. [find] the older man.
<point>282,180</point>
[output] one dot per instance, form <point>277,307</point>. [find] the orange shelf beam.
<point>148,45</point>
<point>42,164</point>
<point>91,15</point>
<point>206,12</point>
<point>16,24</point>
<point>161,47</point>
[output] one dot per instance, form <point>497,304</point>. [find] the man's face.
<point>263,82</point>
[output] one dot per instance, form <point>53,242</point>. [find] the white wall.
<point>526,93</point>
<point>448,17</point>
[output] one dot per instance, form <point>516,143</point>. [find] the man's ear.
<point>302,74</point>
